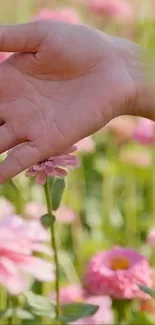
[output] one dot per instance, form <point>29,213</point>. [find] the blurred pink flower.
<point>70,293</point>
<point>117,273</point>
<point>6,207</point>
<point>86,145</point>
<point>34,210</point>
<point>151,237</point>
<point>144,132</point>
<point>116,9</point>
<point>67,15</point>
<point>18,240</point>
<point>74,293</point>
<point>104,315</point>
<point>54,166</point>
<point>65,215</point>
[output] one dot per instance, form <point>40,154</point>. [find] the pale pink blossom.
<point>65,215</point>
<point>74,293</point>
<point>104,314</point>
<point>54,166</point>
<point>115,9</point>
<point>86,145</point>
<point>67,15</point>
<point>117,273</point>
<point>34,210</point>
<point>151,237</point>
<point>70,293</point>
<point>144,132</point>
<point>6,207</point>
<point>18,240</point>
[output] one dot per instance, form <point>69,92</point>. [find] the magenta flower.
<point>117,272</point>
<point>54,166</point>
<point>144,132</point>
<point>65,215</point>
<point>67,15</point>
<point>18,240</point>
<point>116,9</point>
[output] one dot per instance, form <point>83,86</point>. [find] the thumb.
<point>23,37</point>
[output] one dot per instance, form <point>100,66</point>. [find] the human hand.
<point>64,83</point>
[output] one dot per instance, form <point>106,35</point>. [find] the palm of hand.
<point>49,109</point>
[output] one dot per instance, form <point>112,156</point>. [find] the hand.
<point>64,83</point>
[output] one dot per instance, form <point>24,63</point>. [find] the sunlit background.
<point>110,200</point>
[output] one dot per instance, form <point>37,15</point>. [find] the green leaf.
<point>47,220</point>
<point>19,312</point>
<point>147,290</point>
<point>73,312</point>
<point>40,305</point>
<point>57,192</point>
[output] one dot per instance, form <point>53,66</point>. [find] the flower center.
<point>119,263</point>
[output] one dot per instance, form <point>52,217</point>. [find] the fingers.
<point>22,37</point>
<point>7,138</point>
<point>19,159</point>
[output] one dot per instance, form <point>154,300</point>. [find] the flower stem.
<point>53,244</point>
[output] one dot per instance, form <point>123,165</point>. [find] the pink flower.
<point>34,210</point>
<point>117,273</point>
<point>104,315</point>
<point>71,293</point>
<point>18,240</point>
<point>54,166</point>
<point>151,237</point>
<point>116,9</point>
<point>65,215</point>
<point>74,293</point>
<point>86,145</point>
<point>144,132</point>
<point>67,15</point>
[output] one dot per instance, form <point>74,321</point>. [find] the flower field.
<point>77,231</point>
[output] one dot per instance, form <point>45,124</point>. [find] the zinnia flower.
<point>149,304</point>
<point>65,215</point>
<point>67,15</point>
<point>18,240</point>
<point>53,166</point>
<point>34,210</point>
<point>74,293</point>
<point>116,9</point>
<point>144,132</point>
<point>104,314</point>
<point>71,293</point>
<point>117,273</point>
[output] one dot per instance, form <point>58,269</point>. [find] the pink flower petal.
<point>41,178</point>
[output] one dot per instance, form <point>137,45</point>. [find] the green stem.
<point>131,238</point>
<point>54,246</point>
